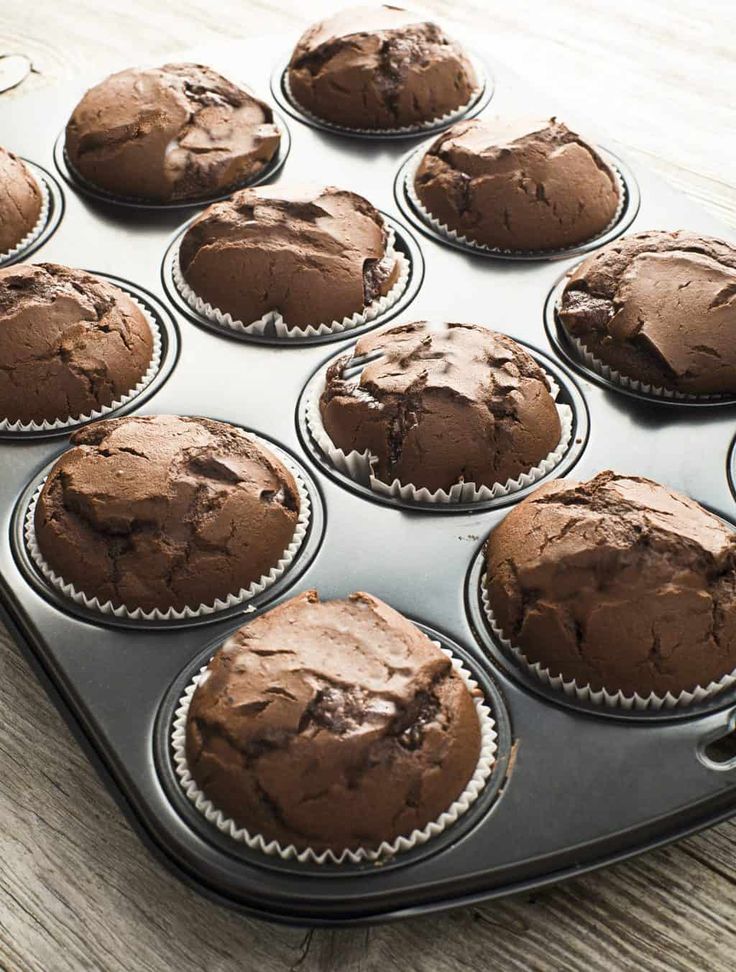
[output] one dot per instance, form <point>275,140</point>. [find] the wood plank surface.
<point>77,889</point>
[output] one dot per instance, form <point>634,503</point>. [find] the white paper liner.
<point>359,465</point>
<point>33,234</point>
<point>57,424</point>
<point>387,849</point>
<point>617,378</point>
<point>470,244</point>
<point>602,697</point>
<point>203,610</point>
<point>274,319</point>
<point>441,121</point>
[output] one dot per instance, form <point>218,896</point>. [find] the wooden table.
<point>77,889</point>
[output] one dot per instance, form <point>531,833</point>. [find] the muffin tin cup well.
<point>358,466</point>
<point>273,322</point>
<point>415,211</point>
<point>559,689</point>
<point>578,355</point>
<point>271,328</point>
<point>231,603</point>
<point>478,100</point>
<point>89,189</point>
<point>52,208</point>
<point>163,358</point>
<point>359,855</point>
<point>65,425</point>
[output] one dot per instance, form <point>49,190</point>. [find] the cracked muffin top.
<point>442,404</point>
<point>332,725</point>
<point>379,67</point>
<point>20,200</point>
<point>168,134</point>
<point>70,343</point>
<point>165,512</point>
<point>618,583</point>
<point>519,185</point>
<point>659,307</point>
<point>315,255</point>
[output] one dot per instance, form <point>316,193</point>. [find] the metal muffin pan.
<point>573,789</point>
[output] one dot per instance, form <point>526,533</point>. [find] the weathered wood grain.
<point>77,889</point>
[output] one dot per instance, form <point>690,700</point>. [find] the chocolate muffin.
<point>379,67</point>
<point>519,185</point>
<point>70,343</point>
<point>332,725</point>
<point>617,582</point>
<point>20,201</point>
<point>169,134</point>
<point>165,512</point>
<point>315,255</point>
<point>659,308</point>
<point>441,405</point>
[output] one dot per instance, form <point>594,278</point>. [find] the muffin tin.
<point>575,786</point>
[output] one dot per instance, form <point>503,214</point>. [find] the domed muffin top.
<point>167,134</point>
<point>440,404</point>
<point>332,724</point>
<point>165,512</point>
<point>617,582</point>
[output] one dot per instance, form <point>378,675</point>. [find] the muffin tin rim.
<point>474,108</point>
<point>404,241</point>
<point>579,436</point>
<point>482,807</point>
<point>627,215</point>
<point>89,190</point>
<point>304,557</point>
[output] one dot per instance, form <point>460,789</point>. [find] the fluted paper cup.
<point>33,234</point>
<point>358,855</point>
<point>274,320</point>
<point>440,121</point>
<point>359,466</point>
<point>58,425</point>
<point>603,697</point>
<point>470,244</point>
<point>234,599</point>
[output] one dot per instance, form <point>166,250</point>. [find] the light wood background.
<point>77,889</point>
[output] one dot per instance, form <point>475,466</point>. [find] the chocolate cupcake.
<point>70,343</point>
<point>659,308</point>
<point>617,583</point>
<point>379,68</point>
<point>315,256</point>
<point>20,201</point>
<point>170,134</point>
<point>165,512</point>
<point>521,185</point>
<point>332,725</point>
<point>442,405</point>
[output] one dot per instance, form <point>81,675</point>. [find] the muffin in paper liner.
<point>359,465</point>
<point>144,201</point>
<point>440,122</point>
<point>633,384</point>
<point>602,697</point>
<point>387,849</point>
<point>170,614</point>
<point>144,381</point>
<point>274,320</point>
<point>33,234</point>
<point>454,237</point>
